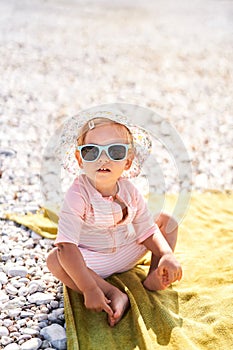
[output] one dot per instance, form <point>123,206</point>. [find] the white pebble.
<point>3,296</point>
<point>6,340</point>
<point>29,331</point>
<point>7,322</point>
<point>14,312</point>
<point>12,347</point>
<point>40,298</point>
<point>41,317</point>
<point>21,322</point>
<point>3,278</point>
<point>3,331</point>
<point>17,252</point>
<point>23,291</point>
<point>17,284</point>
<point>16,302</point>
<point>11,289</point>
<point>33,287</point>
<point>32,344</point>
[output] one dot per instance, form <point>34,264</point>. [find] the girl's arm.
<point>73,263</point>
<point>168,265</point>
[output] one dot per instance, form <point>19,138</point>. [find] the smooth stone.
<point>11,289</point>
<point>54,304</point>
<point>3,296</point>
<point>32,344</point>
<point>29,331</point>
<point>17,271</point>
<point>56,335</point>
<point>35,236</point>
<point>7,323</point>
<point>23,291</point>
<point>14,312</point>
<point>41,317</point>
<point>12,347</point>
<point>40,298</point>
<point>17,252</point>
<point>25,314</point>
<point>21,322</point>
<point>3,278</point>
<point>16,302</point>
<point>33,287</point>
<point>4,331</point>
<point>5,340</point>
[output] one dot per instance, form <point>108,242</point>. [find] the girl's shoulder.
<point>78,189</point>
<point>76,198</point>
<point>127,187</point>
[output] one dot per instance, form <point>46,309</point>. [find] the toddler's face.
<point>105,170</point>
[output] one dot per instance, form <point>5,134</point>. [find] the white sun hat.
<point>68,141</point>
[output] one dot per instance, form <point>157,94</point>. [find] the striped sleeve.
<point>71,217</point>
<point>143,222</point>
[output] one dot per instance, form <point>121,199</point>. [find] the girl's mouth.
<point>103,170</point>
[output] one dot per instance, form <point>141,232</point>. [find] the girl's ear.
<point>130,159</point>
<point>129,162</point>
<point>79,159</point>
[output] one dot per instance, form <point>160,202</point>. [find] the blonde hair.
<point>97,122</point>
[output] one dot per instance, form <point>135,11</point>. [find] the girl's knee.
<point>52,260</point>
<point>166,223</point>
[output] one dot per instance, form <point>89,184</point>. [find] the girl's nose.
<point>103,156</point>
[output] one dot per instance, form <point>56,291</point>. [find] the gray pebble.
<point>26,314</point>
<point>56,335</point>
<point>17,271</point>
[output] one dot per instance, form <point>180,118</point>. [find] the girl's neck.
<point>106,190</point>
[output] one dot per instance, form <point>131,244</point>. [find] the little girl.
<point>104,225</point>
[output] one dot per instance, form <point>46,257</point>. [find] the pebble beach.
<point>60,57</point>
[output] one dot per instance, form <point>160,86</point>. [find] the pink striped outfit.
<point>108,242</point>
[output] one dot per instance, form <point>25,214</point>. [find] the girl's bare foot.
<point>154,281</point>
<point>119,304</point>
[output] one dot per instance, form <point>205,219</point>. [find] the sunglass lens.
<point>117,152</point>
<point>90,153</point>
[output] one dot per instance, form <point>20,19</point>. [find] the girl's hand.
<point>95,300</point>
<point>169,268</point>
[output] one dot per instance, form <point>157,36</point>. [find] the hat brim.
<point>68,141</point>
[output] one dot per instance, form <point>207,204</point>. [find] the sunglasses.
<point>116,151</point>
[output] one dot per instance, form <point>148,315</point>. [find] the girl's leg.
<point>120,301</point>
<point>55,267</point>
<point>169,228</point>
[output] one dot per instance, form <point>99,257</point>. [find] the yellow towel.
<point>44,222</point>
<point>194,314</point>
